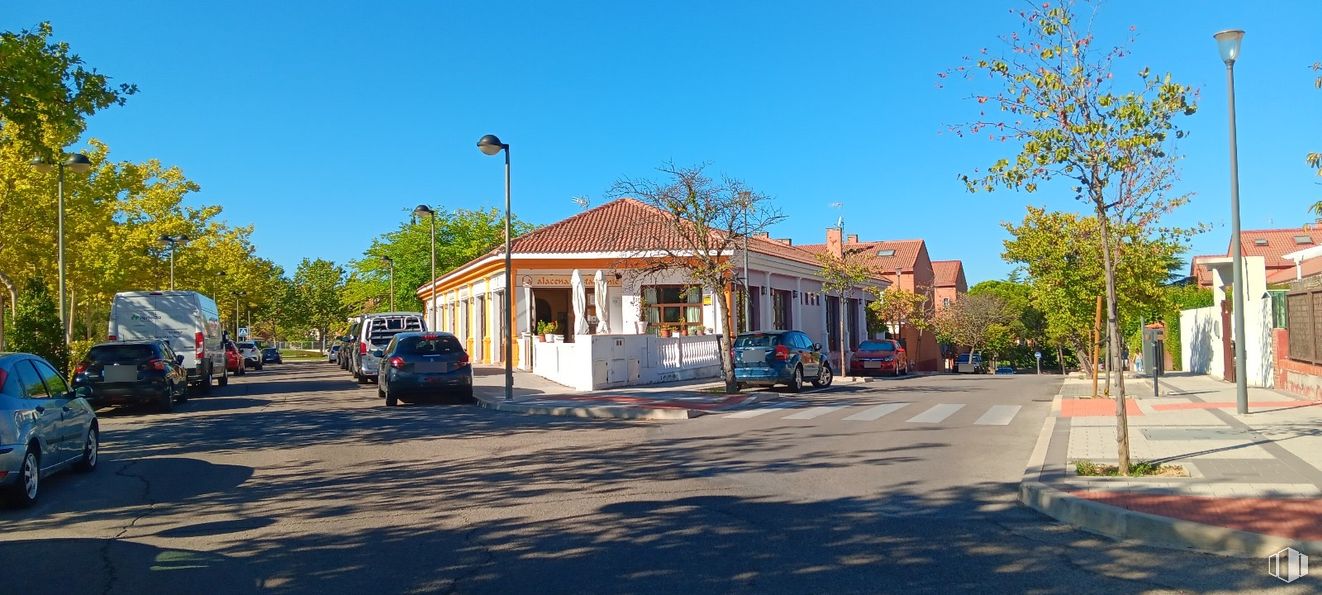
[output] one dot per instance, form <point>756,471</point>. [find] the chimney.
<point>851,238</point>
<point>786,241</point>
<point>762,234</point>
<point>833,244</point>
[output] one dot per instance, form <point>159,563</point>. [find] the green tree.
<point>897,308</point>
<point>840,276</point>
<point>1025,332</point>
<point>315,297</point>
<point>47,93</point>
<point>695,223</point>
<point>1054,96</point>
<point>37,328</point>
<point>974,321</point>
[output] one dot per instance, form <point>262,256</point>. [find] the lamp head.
<point>78,163</point>
<point>490,145</point>
<point>423,211</point>
<point>1227,42</point>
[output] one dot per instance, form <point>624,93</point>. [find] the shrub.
<point>37,327</point>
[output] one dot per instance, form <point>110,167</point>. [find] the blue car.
<point>44,426</point>
<point>423,365</point>
<point>769,358</point>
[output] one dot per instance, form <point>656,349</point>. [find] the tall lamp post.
<point>491,145</point>
<point>238,296</point>
<point>172,241</point>
<point>426,211</point>
<point>78,163</point>
<point>391,262</point>
<point>1228,44</point>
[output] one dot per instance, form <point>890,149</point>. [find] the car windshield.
<point>758,340</point>
<point>876,346</point>
<point>429,345</point>
<point>247,346</point>
<point>121,354</point>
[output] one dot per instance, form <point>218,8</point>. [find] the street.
<point>297,480</point>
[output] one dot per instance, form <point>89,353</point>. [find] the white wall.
<point>1201,333</point>
<point>594,362</point>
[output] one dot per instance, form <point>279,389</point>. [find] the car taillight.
<point>156,364</point>
<point>199,347</point>
<point>362,349</point>
<point>782,353</point>
<point>80,368</point>
<point>397,362</point>
<point>112,337</point>
<point>463,360</point>
<point>3,376</point>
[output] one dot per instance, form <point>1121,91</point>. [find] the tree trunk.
<point>727,364</point>
<point>1113,334</point>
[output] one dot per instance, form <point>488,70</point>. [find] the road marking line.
<point>813,412</point>
<point>747,413</point>
<point>875,413</point>
<point>998,415</point>
<point>936,414</point>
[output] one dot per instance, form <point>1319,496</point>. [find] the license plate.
<point>120,373</point>
<point>431,367</point>
<point>753,356</point>
<point>871,364</point>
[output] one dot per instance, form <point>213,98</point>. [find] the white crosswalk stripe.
<point>936,415</point>
<point>814,412</point>
<point>998,415</point>
<point>747,413</point>
<point>875,413</point>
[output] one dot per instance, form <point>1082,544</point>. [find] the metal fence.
<point>1304,320</point>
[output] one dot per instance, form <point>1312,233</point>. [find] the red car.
<point>879,355</point>
<point>233,360</point>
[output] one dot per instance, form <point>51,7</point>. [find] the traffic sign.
<point>1037,354</point>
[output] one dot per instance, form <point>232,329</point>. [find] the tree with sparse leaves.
<point>695,224</point>
<point>973,321</point>
<point>1053,96</point>
<point>840,276</point>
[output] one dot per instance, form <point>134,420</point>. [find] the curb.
<point>1150,529</point>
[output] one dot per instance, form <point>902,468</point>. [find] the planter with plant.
<point>545,328</point>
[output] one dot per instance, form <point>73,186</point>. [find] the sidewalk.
<point>1255,482</point>
<point>676,400</point>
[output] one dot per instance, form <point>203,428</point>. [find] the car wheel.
<point>796,380</point>
<point>380,392</point>
<point>259,367</point>
<point>165,402</point>
<point>181,395</point>
<point>224,379</point>
<point>824,377</point>
<point>91,450</point>
<point>467,395</point>
<point>391,400</point>
<point>25,491</point>
<point>361,378</point>
<point>204,386</point>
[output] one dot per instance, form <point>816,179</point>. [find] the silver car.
<point>44,426</point>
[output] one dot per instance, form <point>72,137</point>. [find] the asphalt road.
<point>298,480</point>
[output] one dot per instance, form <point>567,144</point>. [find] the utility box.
<point>1154,349</point>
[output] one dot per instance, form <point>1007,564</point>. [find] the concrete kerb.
<point>1129,525</point>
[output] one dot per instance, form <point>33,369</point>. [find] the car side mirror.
<point>179,360</point>
<point>817,346</point>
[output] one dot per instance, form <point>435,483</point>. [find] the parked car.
<point>133,373</point>
<point>1005,370</point>
<point>768,358</point>
<point>374,332</point>
<point>347,346</point>
<point>252,357</point>
<point>879,355</point>
<point>970,363</point>
<point>422,365</point>
<point>44,426</point>
<point>271,355</point>
<point>187,320</point>
<point>233,359</point>
<point>333,354</point>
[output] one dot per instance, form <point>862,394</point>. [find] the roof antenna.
<point>839,221</point>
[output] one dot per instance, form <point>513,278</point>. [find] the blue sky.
<point>323,123</point>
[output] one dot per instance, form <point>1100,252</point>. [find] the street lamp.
<point>390,261</point>
<point>172,240</point>
<point>78,163</point>
<point>491,145</point>
<point>238,296</point>
<point>1227,43</point>
<point>426,211</point>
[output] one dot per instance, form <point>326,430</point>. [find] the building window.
<point>673,307</point>
<point>945,302</point>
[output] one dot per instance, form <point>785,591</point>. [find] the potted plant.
<point>544,328</point>
<point>642,314</point>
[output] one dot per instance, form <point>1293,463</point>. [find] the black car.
<point>133,372</point>
<point>271,355</point>
<point>420,365</point>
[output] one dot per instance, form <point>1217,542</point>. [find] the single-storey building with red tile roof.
<point>1272,245</point>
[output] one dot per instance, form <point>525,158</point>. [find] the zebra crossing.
<point>919,413</point>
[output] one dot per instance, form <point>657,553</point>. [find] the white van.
<point>188,320</point>
<point>374,331</point>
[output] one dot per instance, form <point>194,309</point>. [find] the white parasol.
<point>580,303</point>
<point>599,296</point>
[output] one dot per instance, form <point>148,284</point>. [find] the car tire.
<point>466,395</point>
<point>391,400</point>
<point>259,367</point>
<point>824,377</point>
<point>165,402</point>
<point>361,378</point>
<point>182,395</point>
<point>24,492</point>
<point>224,378</point>
<point>204,386</point>
<point>91,451</point>
<point>380,392</point>
<point>796,380</point>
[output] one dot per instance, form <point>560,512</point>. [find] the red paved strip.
<point>1095,407</point>
<point>1294,518</point>
<point>705,405</point>
<point>1252,405</point>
